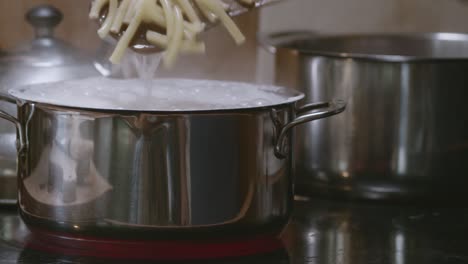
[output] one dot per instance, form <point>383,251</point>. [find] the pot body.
<point>404,135</point>
<point>136,174</point>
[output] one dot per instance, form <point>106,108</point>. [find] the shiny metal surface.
<point>133,174</point>
<point>21,141</point>
<point>236,7</point>
<point>153,171</point>
<point>330,109</point>
<point>44,59</point>
<point>403,136</point>
<point>320,232</point>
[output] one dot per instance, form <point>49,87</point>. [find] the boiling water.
<point>144,93</point>
<point>155,94</point>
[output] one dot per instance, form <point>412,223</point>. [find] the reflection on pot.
<point>73,178</point>
<point>136,174</point>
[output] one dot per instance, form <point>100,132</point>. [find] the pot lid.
<point>157,95</point>
<point>45,50</point>
<point>45,58</point>
<point>386,47</point>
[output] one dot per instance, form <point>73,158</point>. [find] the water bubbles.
<point>156,95</point>
<point>260,102</point>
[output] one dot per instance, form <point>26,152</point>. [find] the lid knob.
<point>44,18</point>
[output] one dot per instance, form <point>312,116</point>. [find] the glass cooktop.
<point>321,232</point>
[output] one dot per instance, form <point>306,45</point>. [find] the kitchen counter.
<point>321,232</point>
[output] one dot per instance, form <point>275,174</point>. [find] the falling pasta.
<point>179,21</point>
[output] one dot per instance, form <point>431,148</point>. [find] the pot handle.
<point>327,109</point>
<point>21,143</point>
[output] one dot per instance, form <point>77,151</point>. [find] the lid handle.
<point>44,18</point>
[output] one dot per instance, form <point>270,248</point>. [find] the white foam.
<point>155,95</point>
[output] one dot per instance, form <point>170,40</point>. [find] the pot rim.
<point>294,39</point>
<point>125,112</point>
<point>291,96</point>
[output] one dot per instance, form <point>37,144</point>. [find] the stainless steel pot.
<point>116,173</point>
<point>404,135</point>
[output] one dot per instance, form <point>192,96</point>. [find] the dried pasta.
<point>180,22</point>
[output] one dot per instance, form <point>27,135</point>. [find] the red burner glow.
<point>151,250</point>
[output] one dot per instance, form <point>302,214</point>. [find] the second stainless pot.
<point>404,135</point>
<point>142,174</point>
